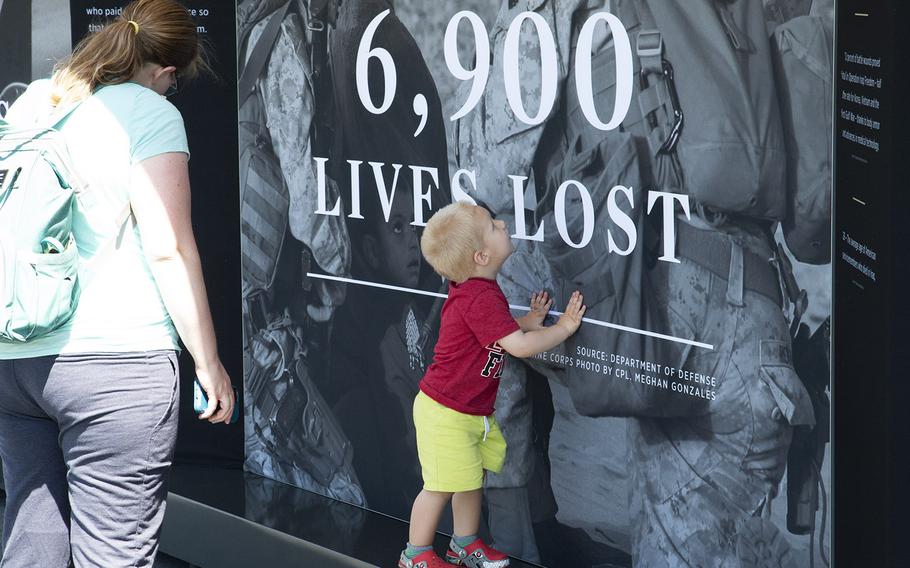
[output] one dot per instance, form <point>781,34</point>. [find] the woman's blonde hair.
<point>147,31</point>
<point>450,239</point>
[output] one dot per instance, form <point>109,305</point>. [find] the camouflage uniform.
<point>697,481</point>
<point>701,484</point>
<point>291,433</point>
<point>288,105</point>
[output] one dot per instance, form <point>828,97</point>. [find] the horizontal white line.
<point>515,307</point>
<point>377,285</point>
<point>861,14</point>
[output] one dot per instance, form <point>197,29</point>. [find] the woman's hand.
<point>217,386</point>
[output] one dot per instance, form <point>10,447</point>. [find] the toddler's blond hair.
<point>450,239</point>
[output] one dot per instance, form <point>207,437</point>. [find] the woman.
<point>88,413</point>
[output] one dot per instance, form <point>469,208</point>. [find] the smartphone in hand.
<point>201,402</point>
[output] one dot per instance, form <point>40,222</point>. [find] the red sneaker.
<point>476,555</point>
<point>426,559</point>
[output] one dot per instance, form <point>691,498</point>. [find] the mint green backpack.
<point>39,261</point>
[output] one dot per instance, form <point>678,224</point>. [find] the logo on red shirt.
<point>493,368</point>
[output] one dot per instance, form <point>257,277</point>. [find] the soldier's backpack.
<point>39,263</point>
<point>263,194</point>
<point>804,69</point>
<point>619,290</point>
<point>704,110</point>
<point>704,121</point>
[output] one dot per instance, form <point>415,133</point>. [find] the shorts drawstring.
<point>486,428</point>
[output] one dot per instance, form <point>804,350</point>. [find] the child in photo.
<point>362,384</point>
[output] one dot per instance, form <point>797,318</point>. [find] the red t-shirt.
<point>468,361</point>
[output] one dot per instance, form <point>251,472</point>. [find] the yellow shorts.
<point>454,448</point>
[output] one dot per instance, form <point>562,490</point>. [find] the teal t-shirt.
<point>120,308</point>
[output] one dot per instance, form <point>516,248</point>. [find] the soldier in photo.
<point>377,356</point>
<point>284,90</point>
<point>714,117</point>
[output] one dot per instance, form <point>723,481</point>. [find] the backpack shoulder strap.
<point>254,65</point>
<point>52,124</point>
<point>649,46</point>
<point>57,118</point>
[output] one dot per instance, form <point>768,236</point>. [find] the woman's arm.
<point>160,198</point>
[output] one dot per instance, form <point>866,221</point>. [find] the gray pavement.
<point>162,561</point>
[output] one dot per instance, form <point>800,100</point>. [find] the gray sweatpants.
<point>86,443</point>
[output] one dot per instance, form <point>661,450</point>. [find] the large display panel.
<point>669,158</point>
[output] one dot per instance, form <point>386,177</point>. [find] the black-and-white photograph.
<point>670,159</point>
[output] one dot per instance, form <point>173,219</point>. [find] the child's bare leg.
<point>425,513</point>
<point>466,511</point>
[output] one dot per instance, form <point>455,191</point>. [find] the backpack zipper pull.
<point>738,39</point>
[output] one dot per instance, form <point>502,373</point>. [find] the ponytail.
<point>147,31</point>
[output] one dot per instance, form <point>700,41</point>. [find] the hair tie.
<point>135,26</point>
